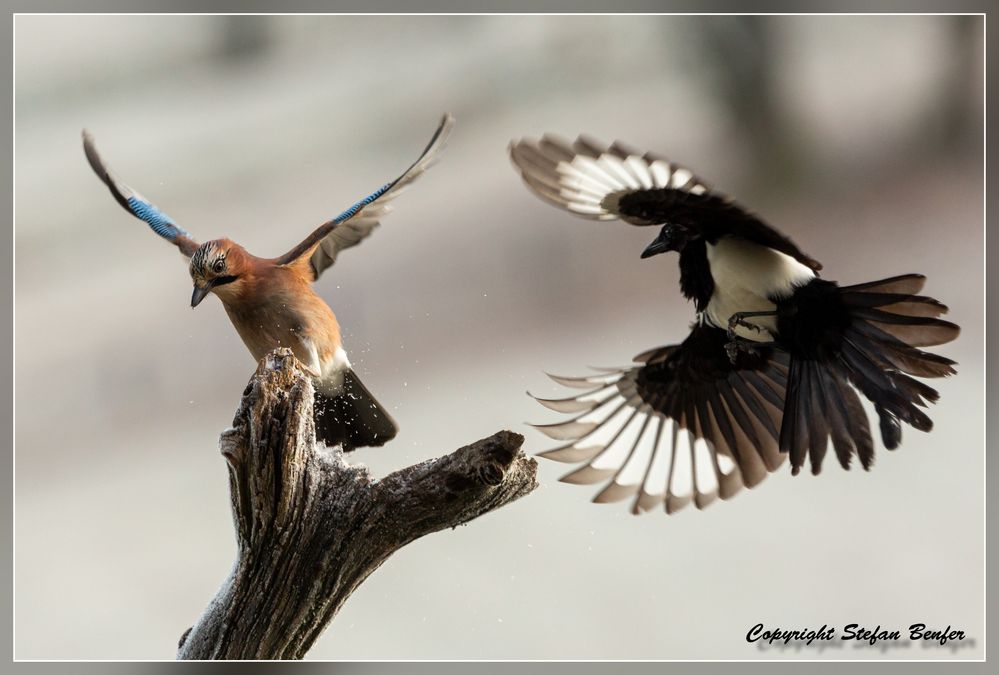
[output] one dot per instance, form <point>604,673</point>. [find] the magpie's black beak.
<point>663,243</point>
<point>199,294</point>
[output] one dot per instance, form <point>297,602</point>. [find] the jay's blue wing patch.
<point>136,204</point>
<point>161,223</point>
<point>352,211</point>
<point>356,223</point>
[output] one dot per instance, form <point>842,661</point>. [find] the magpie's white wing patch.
<point>616,182</point>
<point>589,179</point>
<point>685,427</point>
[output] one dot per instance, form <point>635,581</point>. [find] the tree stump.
<point>310,527</point>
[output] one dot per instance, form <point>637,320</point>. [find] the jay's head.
<point>214,266</point>
<point>671,238</point>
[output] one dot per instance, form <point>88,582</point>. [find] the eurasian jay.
<point>271,301</point>
<point>773,362</point>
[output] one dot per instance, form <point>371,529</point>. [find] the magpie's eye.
<point>219,266</point>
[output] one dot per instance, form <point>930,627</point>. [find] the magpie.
<point>776,356</point>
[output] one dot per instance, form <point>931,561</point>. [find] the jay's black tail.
<point>354,418</point>
<point>867,337</point>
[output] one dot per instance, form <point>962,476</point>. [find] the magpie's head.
<point>671,238</point>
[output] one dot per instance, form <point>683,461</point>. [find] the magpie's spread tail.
<point>352,419</point>
<point>868,336</point>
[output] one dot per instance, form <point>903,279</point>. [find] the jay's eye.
<point>219,266</point>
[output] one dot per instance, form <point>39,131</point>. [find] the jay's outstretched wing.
<point>356,223</point>
<point>608,183</point>
<point>136,204</point>
<point>686,426</point>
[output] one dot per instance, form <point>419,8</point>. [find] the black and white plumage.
<point>686,426</point>
<point>756,289</point>
<point>733,261</point>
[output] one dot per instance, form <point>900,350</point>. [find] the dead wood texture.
<point>310,527</point>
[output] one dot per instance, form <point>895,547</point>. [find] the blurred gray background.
<point>858,136</point>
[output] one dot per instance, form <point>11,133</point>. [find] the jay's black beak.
<point>199,294</point>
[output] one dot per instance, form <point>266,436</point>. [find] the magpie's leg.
<point>740,344</point>
<point>739,319</point>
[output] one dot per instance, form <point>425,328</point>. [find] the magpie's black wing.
<point>685,425</point>
<point>608,183</point>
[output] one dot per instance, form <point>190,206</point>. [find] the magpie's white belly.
<point>726,301</point>
<point>746,277</point>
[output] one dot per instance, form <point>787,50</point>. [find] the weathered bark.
<point>310,528</point>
